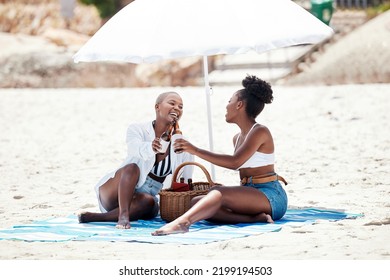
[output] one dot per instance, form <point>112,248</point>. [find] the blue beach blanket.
<point>68,228</point>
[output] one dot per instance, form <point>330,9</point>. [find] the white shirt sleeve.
<point>139,141</point>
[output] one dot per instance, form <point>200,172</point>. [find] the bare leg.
<point>143,206</point>
<point>89,217</point>
<point>228,217</point>
<point>224,215</point>
<point>127,183</point>
<point>204,209</point>
<point>244,204</point>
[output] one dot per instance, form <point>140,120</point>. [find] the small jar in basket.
<point>173,204</point>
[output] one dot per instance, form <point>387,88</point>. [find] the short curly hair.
<point>255,94</point>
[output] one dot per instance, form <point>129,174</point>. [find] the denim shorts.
<point>151,187</point>
<point>276,195</point>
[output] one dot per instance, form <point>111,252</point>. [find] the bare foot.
<point>173,227</point>
<point>269,219</point>
<point>123,223</point>
<point>123,226</point>
<point>86,217</point>
<point>264,218</point>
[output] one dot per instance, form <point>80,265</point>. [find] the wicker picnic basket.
<point>173,204</point>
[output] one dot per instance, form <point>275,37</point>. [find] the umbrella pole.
<point>207,91</point>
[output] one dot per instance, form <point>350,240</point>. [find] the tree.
<point>107,8</point>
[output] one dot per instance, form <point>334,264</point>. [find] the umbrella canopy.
<point>153,30</point>
<point>147,31</point>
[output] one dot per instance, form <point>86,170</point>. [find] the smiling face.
<point>169,107</point>
<point>232,108</point>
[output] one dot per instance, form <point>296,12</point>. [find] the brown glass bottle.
<point>190,184</point>
<point>176,134</point>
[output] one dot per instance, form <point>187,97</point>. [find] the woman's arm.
<point>252,143</point>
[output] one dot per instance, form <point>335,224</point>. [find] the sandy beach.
<point>332,146</point>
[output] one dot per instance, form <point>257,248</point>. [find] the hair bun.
<point>259,88</point>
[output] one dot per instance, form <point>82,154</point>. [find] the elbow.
<point>234,164</point>
<point>235,167</point>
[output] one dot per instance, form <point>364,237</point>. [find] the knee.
<point>130,171</point>
<point>216,189</point>
<point>216,192</point>
<point>195,200</point>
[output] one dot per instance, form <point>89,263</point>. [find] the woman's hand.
<point>184,146</point>
<point>156,145</point>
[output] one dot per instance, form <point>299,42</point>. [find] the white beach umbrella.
<point>147,31</point>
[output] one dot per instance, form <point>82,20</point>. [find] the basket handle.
<point>174,176</point>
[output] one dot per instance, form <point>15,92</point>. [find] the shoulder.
<point>140,125</point>
<point>260,130</point>
<point>260,127</point>
<point>140,128</point>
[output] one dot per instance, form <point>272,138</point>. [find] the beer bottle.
<point>191,186</point>
<point>177,134</point>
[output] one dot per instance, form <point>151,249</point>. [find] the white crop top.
<point>257,159</point>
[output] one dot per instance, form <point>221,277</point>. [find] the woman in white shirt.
<point>130,192</point>
<point>260,196</point>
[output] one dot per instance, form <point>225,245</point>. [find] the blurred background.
<point>39,37</point>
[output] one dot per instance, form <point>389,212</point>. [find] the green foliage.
<point>376,10</point>
<point>106,8</point>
